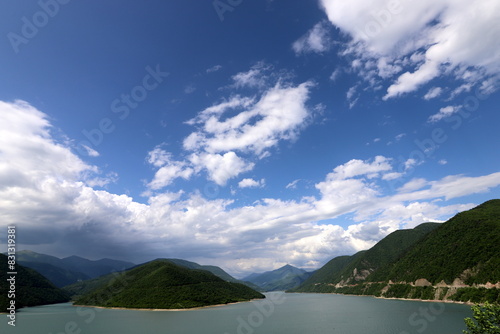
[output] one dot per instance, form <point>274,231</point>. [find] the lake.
<point>279,313</point>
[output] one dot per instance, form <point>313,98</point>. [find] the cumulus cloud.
<point>230,136</point>
<point>420,40</point>
<point>251,183</point>
<point>315,40</point>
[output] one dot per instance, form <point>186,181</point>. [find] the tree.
<point>487,319</point>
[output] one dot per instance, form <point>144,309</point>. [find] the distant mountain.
<point>31,288</point>
<point>161,284</point>
<point>95,268</point>
<point>71,269</point>
<point>58,276</point>
<point>284,278</point>
<point>456,260</point>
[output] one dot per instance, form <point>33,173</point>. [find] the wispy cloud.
<point>433,93</point>
<point>214,68</point>
<point>315,40</point>
<point>443,113</point>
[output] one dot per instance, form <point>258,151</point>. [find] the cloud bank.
<point>58,212</point>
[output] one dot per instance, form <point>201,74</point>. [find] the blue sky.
<point>245,134</point>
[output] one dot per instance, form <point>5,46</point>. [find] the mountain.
<point>284,278</point>
<point>86,286</point>
<point>455,260</point>
<point>31,288</point>
<point>95,268</point>
<point>161,284</point>
<point>58,276</point>
<point>71,269</point>
<point>345,270</point>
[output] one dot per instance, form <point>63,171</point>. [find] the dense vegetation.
<point>356,268</point>
<point>465,247</point>
<point>83,287</point>
<point>470,240</point>
<point>163,285</point>
<point>31,288</point>
<point>486,320</point>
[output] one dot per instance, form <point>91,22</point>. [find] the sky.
<point>243,134</point>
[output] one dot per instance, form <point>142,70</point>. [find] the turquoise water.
<point>280,313</point>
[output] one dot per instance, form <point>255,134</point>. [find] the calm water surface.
<point>278,314</point>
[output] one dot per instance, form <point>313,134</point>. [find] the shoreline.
<point>166,309</point>
<point>395,298</point>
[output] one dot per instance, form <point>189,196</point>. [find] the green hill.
<point>455,260</point>
<point>344,270</point>
<point>83,287</point>
<point>31,288</point>
<point>161,284</point>
<point>467,246</point>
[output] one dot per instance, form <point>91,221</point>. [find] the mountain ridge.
<point>451,261</point>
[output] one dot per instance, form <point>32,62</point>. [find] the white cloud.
<point>433,93</point>
<point>221,167</point>
<point>400,136</point>
<point>278,115</point>
<point>293,184</point>
<point>251,183</point>
<point>232,134</point>
<point>214,68</point>
<point>256,77</point>
<point>442,162</point>
<point>428,38</point>
<point>315,40</point>
<point>357,167</point>
<point>90,151</point>
<point>443,113</point>
<point>336,74</point>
